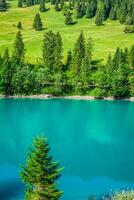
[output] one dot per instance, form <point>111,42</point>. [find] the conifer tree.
<point>49,51</point>
<point>19,51</point>
<point>42,7</point>
<point>20,3</point>
<point>131,57</point>
<point>3,5</point>
<point>78,53</point>
<point>68,61</point>
<point>37,24</point>
<point>57,6</point>
<point>98,19</point>
<point>19,25</point>
<point>65,9</point>
<point>6,75</point>
<point>68,18</point>
<point>58,53</point>
<point>112,14</point>
<point>40,173</point>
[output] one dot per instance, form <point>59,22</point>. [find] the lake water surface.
<point>94,141</point>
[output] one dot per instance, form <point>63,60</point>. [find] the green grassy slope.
<point>106,38</point>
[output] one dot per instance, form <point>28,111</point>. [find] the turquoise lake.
<point>94,141</point>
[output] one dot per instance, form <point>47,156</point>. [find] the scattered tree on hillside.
<point>19,25</point>
<point>20,3</point>
<point>3,5</point>
<point>37,24</point>
<point>68,18</point>
<point>42,7</point>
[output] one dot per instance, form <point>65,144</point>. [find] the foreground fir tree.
<point>37,24</point>
<point>41,173</point>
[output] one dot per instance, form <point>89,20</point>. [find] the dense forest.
<point>80,74</point>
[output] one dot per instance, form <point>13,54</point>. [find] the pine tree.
<point>68,18</point>
<point>37,24</point>
<point>3,5</point>
<point>65,9</point>
<point>131,57</point>
<point>112,14</point>
<point>98,19</point>
<point>78,53</point>
<point>42,7</point>
<point>19,25</point>
<point>57,6</point>
<point>69,60</point>
<point>40,173</point>
<point>19,51</point>
<point>6,75</point>
<point>49,51</point>
<point>58,53</point>
<point>20,3</point>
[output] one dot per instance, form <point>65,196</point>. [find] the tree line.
<point>80,74</point>
<point>122,10</point>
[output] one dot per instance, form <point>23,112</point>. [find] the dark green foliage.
<point>98,19</point>
<point>112,15</point>
<point>40,173</point>
<point>6,74</point>
<point>42,7</point>
<point>57,6</point>
<point>19,25</point>
<point>37,24</point>
<point>68,18</point>
<point>78,54</point>
<point>20,3</point>
<point>91,8</point>
<point>19,51</point>
<point>3,5</point>
<point>49,50</point>
<point>131,57</point>
<point>129,29</point>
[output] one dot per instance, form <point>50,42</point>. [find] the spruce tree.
<point>20,3</point>
<point>40,173</point>
<point>42,7</point>
<point>49,51</point>
<point>58,53</point>
<point>37,24</point>
<point>19,25</point>
<point>6,75</point>
<point>19,51</point>
<point>131,57</point>
<point>112,14</point>
<point>78,54</point>
<point>3,5</point>
<point>68,60</point>
<point>68,18</point>
<point>57,6</point>
<point>98,19</point>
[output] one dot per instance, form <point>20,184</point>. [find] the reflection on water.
<point>94,140</point>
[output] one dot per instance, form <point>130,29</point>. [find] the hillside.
<point>106,38</point>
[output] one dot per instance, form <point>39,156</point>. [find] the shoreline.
<point>74,97</point>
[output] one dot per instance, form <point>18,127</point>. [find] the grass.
<point>106,38</point>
